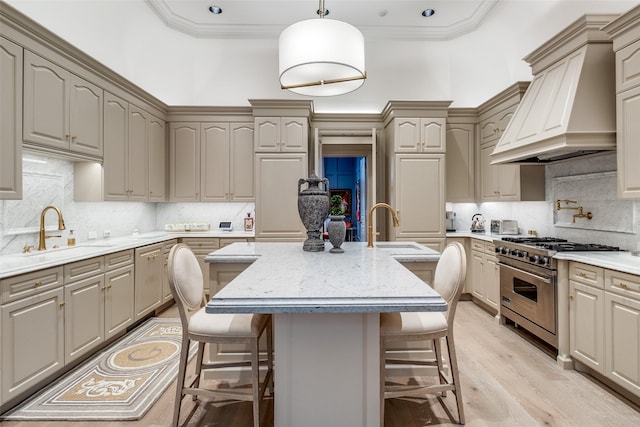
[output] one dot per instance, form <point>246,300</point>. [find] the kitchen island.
<point>326,320</point>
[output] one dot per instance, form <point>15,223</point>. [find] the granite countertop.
<point>620,261</point>
<point>14,264</point>
<point>285,279</point>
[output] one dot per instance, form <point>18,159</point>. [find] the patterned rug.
<point>120,383</point>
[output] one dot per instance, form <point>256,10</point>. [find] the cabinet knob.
<point>582,274</point>
<point>623,285</point>
<point>37,283</point>
<point>570,296</point>
<point>61,304</point>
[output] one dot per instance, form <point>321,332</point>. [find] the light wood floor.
<point>506,381</point>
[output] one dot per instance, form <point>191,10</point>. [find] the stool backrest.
<point>185,281</point>
<point>449,277</point>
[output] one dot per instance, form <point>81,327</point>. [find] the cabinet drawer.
<point>168,245</point>
<point>207,243</point>
<point>622,283</point>
<point>25,285</point>
<point>82,269</point>
<point>490,248</point>
<point>118,259</point>
<point>477,245</point>
<point>587,274</point>
<point>227,241</point>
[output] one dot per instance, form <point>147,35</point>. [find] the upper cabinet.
<point>62,112</point>
<point>10,120</point>
<point>211,161</point>
<point>419,135</point>
<point>625,32</point>
<point>282,134</point>
<point>512,182</point>
<point>460,155</point>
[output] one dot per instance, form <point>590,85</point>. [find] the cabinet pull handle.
<point>582,274</point>
<point>623,285</point>
<point>61,304</point>
<point>570,296</point>
<point>37,283</point>
<point>66,136</point>
<point>109,287</point>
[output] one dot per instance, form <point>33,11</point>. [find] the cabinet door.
<point>508,181</point>
<point>432,135</point>
<point>419,196</point>
<point>628,147</point>
<point>586,325</point>
<point>46,106</point>
<point>491,281</point>
<point>276,209</point>
<point>184,158</point>
<point>241,173</point>
<point>477,264</point>
<point>488,184</point>
<point>294,134</point>
<point>10,120</point>
<point>85,117</point>
<point>83,316</point>
<point>149,267</point>
<point>116,136</point>
<point>214,166</point>
<point>627,67</point>
<point>489,132</point>
<point>406,135</point>
<point>32,341</point>
<point>267,134</point>
<point>138,171</point>
<point>118,300</point>
<point>157,160</point>
<point>622,341</point>
<point>460,168</point>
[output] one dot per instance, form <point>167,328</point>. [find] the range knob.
<point>534,258</point>
<point>523,254</point>
<point>513,252</point>
<point>543,260</point>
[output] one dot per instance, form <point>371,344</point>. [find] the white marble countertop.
<point>14,264</point>
<point>285,279</point>
<point>620,261</point>
<point>482,236</point>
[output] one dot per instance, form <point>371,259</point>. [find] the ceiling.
<point>391,19</point>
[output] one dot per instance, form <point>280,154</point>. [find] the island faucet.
<point>42,245</point>
<point>396,222</point>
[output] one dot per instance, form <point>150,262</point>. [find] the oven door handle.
<point>544,279</point>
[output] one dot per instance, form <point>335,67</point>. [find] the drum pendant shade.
<point>321,57</point>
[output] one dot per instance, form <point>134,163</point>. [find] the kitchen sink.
<point>395,245</point>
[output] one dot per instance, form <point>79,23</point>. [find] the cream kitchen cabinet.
<point>84,307</point>
<point>211,161</point>
<point>149,269</point>
<point>277,217</point>
<point>32,325</point>
<point>119,287</point>
<point>484,282</point>
<point>466,243</point>
<point>418,195</point>
<point>622,329</point>
<point>166,289</point>
<point>419,135</point>
<point>157,163</point>
<point>460,162</point>
<point>10,120</point>
<point>281,134</point>
<point>62,112</point>
<point>586,315</point>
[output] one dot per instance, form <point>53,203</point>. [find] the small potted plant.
<point>337,228</point>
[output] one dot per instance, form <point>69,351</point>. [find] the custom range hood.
<point>569,108</point>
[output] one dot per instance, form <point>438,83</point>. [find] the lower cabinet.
<point>166,290</point>
<point>149,271</point>
<point>464,241</point>
<point>119,291</point>
<point>483,276</point>
<point>32,325</point>
<point>604,310</point>
<point>201,247</point>
<point>423,269</point>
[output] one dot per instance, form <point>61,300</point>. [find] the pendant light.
<point>321,57</point>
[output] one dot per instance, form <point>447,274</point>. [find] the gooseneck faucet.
<point>42,245</point>
<point>396,222</point>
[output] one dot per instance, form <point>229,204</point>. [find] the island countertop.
<point>282,278</point>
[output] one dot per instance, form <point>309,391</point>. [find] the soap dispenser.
<point>71,240</point>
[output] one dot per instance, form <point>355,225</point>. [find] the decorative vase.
<point>337,230</point>
<point>313,207</point>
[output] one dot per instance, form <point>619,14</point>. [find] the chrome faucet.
<point>42,245</point>
<point>396,222</point>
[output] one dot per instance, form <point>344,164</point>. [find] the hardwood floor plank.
<point>506,381</point>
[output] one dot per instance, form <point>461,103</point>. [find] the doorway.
<point>348,178</point>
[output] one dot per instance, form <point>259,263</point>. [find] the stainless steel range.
<point>528,281</point>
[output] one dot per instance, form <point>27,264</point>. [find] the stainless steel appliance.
<point>477,223</point>
<point>450,217</point>
<point>504,226</point>
<point>528,281</point>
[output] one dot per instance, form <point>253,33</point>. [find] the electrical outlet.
<point>106,234</point>
<point>92,235</point>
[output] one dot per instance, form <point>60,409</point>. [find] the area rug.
<point>120,383</point>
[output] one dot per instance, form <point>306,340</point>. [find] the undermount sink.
<point>49,251</point>
<point>394,245</point>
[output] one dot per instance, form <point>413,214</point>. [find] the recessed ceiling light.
<point>216,10</point>
<point>326,12</point>
<point>428,12</point>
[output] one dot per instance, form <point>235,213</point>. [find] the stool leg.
<point>182,372</point>
<point>456,377</point>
